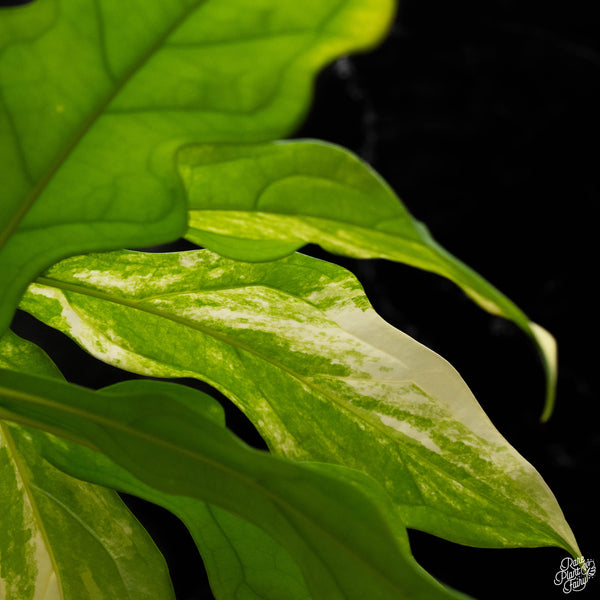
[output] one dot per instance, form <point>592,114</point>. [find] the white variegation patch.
<point>117,281</point>
<point>419,435</point>
<point>293,325</point>
<point>250,225</point>
<point>98,338</point>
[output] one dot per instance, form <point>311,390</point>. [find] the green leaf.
<point>95,101</point>
<point>296,345</point>
<point>241,560</point>
<point>338,524</point>
<point>262,202</point>
<point>18,354</point>
<point>64,538</point>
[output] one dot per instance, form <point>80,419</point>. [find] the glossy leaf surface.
<point>262,202</point>
<point>61,537</point>
<point>97,97</point>
<point>297,346</point>
<point>338,524</point>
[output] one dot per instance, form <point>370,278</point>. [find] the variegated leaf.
<point>61,538</point>
<point>297,346</point>
<point>242,561</point>
<point>339,525</point>
<point>261,202</point>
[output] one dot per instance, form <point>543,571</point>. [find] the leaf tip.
<point>547,347</point>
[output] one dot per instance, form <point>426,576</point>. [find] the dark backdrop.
<point>483,117</point>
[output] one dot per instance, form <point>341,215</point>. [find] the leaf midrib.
<point>26,204</point>
<point>142,305</point>
<point>358,413</point>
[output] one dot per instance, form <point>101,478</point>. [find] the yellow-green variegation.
<point>262,202</point>
<point>338,524</point>
<point>296,344</point>
<point>62,538</point>
<point>241,560</point>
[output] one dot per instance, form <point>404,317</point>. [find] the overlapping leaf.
<point>338,525</point>
<point>262,202</point>
<point>60,537</point>
<point>241,560</point>
<point>297,346</point>
<point>97,96</point>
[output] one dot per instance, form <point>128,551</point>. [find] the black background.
<point>482,116</point>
